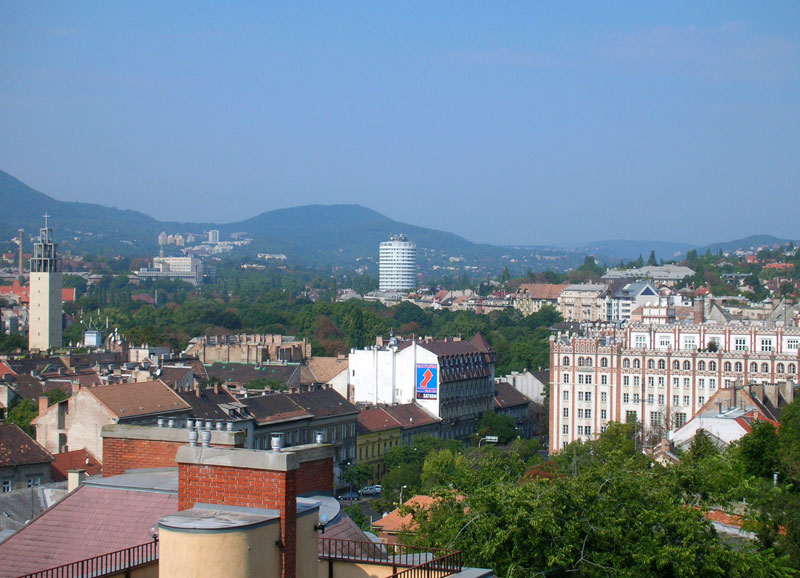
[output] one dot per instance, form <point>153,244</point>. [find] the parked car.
<point>371,490</point>
<point>348,496</point>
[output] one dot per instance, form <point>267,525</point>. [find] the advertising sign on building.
<point>427,380</point>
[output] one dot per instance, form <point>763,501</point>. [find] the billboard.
<point>427,380</point>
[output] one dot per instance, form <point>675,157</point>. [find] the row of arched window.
<point>687,365</point>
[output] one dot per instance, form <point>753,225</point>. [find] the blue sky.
<point>503,122</point>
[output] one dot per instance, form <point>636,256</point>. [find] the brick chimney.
<point>44,403</point>
<point>256,479</point>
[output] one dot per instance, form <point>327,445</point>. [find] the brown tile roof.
<point>89,522</point>
<point>545,291</point>
<point>411,415</point>
<point>506,396</point>
<point>324,403</point>
<point>74,460</point>
<point>172,375</point>
<point>395,522</point>
<point>206,406</point>
<point>325,369</point>
<point>242,373</point>
<point>274,408</point>
<point>376,419</point>
<point>18,448</point>
<point>441,347</point>
<point>138,399</point>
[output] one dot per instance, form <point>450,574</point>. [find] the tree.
<point>22,414</point>
<point>651,260</point>
<point>758,450</point>
<point>492,423</point>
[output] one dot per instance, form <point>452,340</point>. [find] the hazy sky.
<point>503,122</point>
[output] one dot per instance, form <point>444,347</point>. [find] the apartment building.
<point>658,375</point>
<point>583,302</point>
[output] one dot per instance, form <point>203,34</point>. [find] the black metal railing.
<point>103,565</point>
<point>426,562</point>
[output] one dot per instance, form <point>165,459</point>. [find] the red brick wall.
<point>124,454</point>
<point>249,488</point>
<point>120,454</point>
<point>315,476</point>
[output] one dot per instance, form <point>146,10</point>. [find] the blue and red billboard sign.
<point>427,380</point>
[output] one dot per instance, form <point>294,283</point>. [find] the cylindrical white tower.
<point>398,264</point>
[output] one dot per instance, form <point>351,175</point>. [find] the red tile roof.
<point>74,460</point>
<point>376,419</point>
<point>89,522</point>
<point>544,291</point>
<point>411,415</point>
<point>18,448</point>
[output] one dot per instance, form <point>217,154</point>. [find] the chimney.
<point>74,479</point>
<point>216,388</point>
<point>197,390</point>
<point>44,403</point>
<point>266,480</point>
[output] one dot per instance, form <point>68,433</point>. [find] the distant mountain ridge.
<point>320,234</point>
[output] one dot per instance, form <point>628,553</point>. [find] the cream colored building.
<point>531,297</point>
<point>583,302</point>
<point>44,318</point>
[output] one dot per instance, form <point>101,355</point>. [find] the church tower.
<point>44,313</point>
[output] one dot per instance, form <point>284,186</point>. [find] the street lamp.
<point>401,493</point>
<point>488,439</point>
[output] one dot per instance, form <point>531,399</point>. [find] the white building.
<point>398,264</point>
<point>451,379</point>
<point>213,236</point>
<point>44,318</point>
<point>659,375</point>
<point>189,269</point>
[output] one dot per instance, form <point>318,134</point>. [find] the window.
<point>588,362</point>
<point>676,400</point>
<point>603,362</point>
<point>701,400</point>
<point>793,344</point>
<point>664,342</point>
<point>651,364</point>
<point>766,345</point>
<point>587,430</point>
<point>712,383</point>
<point>685,382</point>
<point>581,378</point>
<point>630,417</point>
<point>687,364</point>
<point>626,398</point>
<point>765,368</point>
<point>626,363</point>
<point>603,397</point>
<point>661,399</point>
<point>603,414</point>
<point>580,430</point>
<point>588,396</point>
<point>587,414</point>
<point>637,381</point>
<point>580,413</point>
<point>650,381</point>
<point>589,380</point>
<point>689,343</point>
<point>661,382</point>
<point>565,430</point>
<point>626,380</point>
<point>676,382</point>
<point>712,365</point>
<point>792,368</point>
<point>686,400</point>
<point>636,398</point>
<point>565,412</point>
<point>655,418</point>
<point>701,365</point>
<point>565,378</point>
<point>739,367</point>
<point>649,398</point>
<point>727,384</point>
<point>580,362</point>
<point>701,383</point>
<point>740,344</point>
<point>754,367</point>
<point>603,380</point>
<point>727,366</point>
<point>781,368</point>
<point>680,419</point>
<point>662,364</point>
<point>637,363</point>
<point>565,395</point>
<point>641,341</point>
<point>6,486</point>
<point>580,396</point>
<point>566,362</point>
<point>676,364</point>
<point>34,482</point>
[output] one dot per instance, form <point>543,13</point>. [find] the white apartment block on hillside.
<point>658,375</point>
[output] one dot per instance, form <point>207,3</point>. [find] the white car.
<point>371,490</point>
